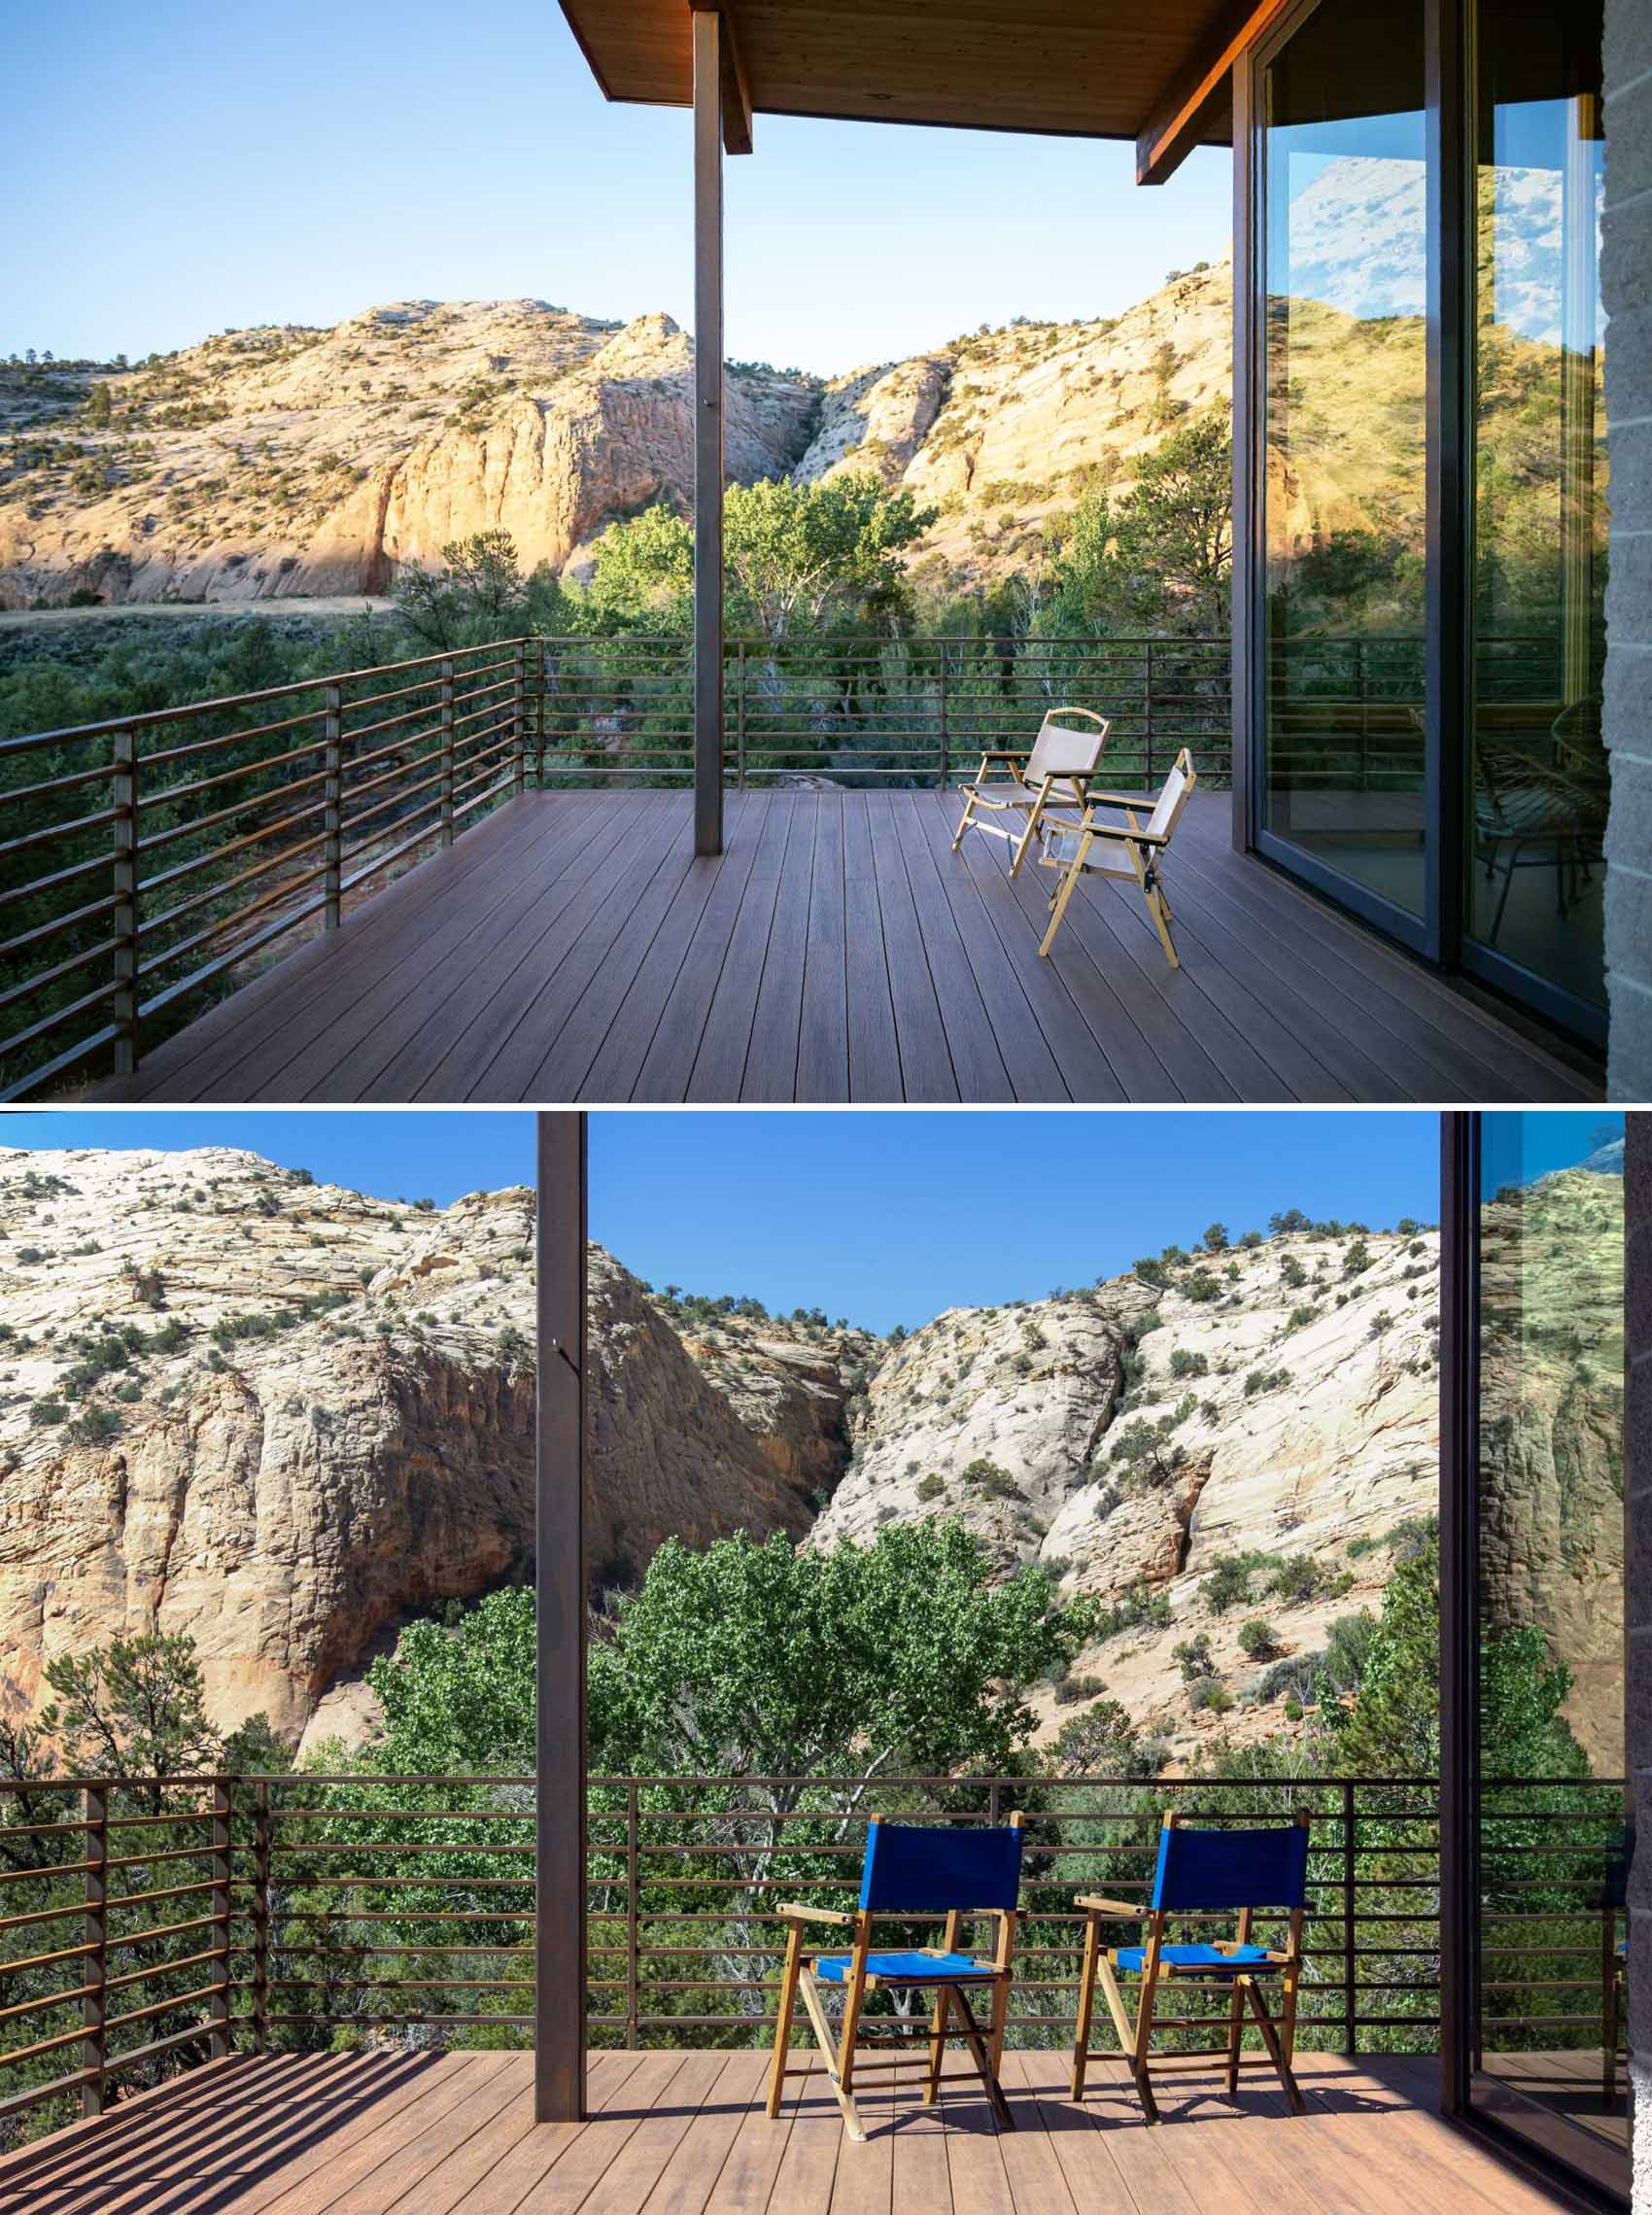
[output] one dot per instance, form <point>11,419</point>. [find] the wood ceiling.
<point>1081,68</point>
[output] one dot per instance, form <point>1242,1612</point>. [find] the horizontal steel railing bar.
<point>153,1970</point>
<point>154,1860</point>
<point>430,817</point>
<point>160,2007</point>
<point>15,1967</point>
<point>63,876</point>
<point>167,795</point>
<point>51,1999</point>
<point>236,814</point>
<point>385,1814</point>
<point>493,792</point>
<point>64,968</point>
<point>53,831</point>
<point>57,1018</point>
<point>229,925</point>
<point>58,923</point>
<point>198,900</point>
<point>393,799</point>
<point>163,1930</point>
<point>17,2102</point>
<point>397,751</point>
<point>193,749</point>
<point>157,2047</point>
<point>408,2021</point>
<point>210,969</point>
<point>21,795</point>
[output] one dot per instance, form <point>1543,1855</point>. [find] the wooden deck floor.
<point>574,947</point>
<point>684,2133</point>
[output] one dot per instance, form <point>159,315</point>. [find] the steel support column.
<point>708,37</point>
<point>558,1586</point>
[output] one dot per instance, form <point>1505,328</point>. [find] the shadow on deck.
<point>454,2134</point>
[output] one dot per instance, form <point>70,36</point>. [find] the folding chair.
<point>1058,768</point>
<point>1092,847</point>
<point>1202,1872</point>
<point>910,1871</point>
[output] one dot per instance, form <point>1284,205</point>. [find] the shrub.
<point>1186,1364</point>
<point>1357,1257</point>
<point>1380,1322</point>
<point>1294,1679</point>
<point>1266,1380</point>
<point>1256,1640</point>
<point>94,1426</point>
<point>1193,1656</point>
<point>1292,1272</point>
<point>1133,1607</point>
<point>45,1412</point>
<point>1071,1690</point>
<point>991,1479</point>
<point>1216,1238</point>
<point>1250,1240</point>
<point>1201,1286</point>
<point>1228,1584</point>
<point>931,1487</point>
<point>28,1255</point>
<point>1294,1711</point>
<point>1300,1317</point>
<point>1205,1695</point>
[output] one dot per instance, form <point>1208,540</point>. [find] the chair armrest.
<point>1133,1911</point>
<point>796,1910</point>
<point>1147,801</point>
<point>1117,831</point>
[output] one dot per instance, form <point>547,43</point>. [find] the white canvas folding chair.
<point>1059,768</point>
<point>1091,846</point>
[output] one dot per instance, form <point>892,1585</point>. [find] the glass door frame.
<point>1460,1669</point>
<point>1438,933</point>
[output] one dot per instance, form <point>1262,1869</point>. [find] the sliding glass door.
<point>1535,779</point>
<point>1421,432</point>
<point>1343,254</point>
<point>1533,1736</point>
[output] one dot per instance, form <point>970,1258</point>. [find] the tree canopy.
<point>1157,557</point>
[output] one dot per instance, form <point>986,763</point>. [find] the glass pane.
<point>1344,268</point>
<point>1553,1848</point>
<point>1537,805</point>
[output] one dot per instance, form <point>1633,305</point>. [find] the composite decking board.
<point>684,2133</point>
<point>769,1072</point>
<point>437,1015</point>
<point>719,1064</point>
<point>1420,1057</point>
<point>623,1048</point>
<point>1087,1072</point>
<point>440,2155</point>
<point>616,2100</point>
<point>1031,1066</point>
<point>669,1064</point>
<point>823,1030</point>
<point>1107,958</point>
<point>875,1054</point>
<point>1465,1025</point>
<point>927,1059</point>
<point>414,1001</point>
<point>486,1024</point>
<point>700,2160</point>
<point>572,944</point>
<point>383,927</point>
<point>540,994</point>
<point>982,1062</point>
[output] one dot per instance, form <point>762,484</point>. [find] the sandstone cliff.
<point>282,1416</point>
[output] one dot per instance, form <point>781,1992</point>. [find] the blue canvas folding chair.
<point>1202,1873</point>
<point>913,1872</point>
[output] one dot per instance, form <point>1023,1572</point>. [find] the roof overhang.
<point>1155,72</point>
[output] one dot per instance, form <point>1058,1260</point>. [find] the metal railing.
<point>148,861</point>
<point>149,1926</point>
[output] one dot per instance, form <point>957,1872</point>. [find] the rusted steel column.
<point>124,998</point>
<point>93,2003</point>
<point>559,1584</point>
<point>707,432</point>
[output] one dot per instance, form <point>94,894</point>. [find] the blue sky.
<point>181,167</point>
<point>882,1218</point>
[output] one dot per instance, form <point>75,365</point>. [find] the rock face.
<point>281,1417</point>
<point>314,463</point>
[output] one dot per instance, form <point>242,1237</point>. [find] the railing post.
<point>1349,1867</point>
<point>630,1915</point>
<point>444,787</point>
<point>93,2003</point>
<point>739,715</point>
<point>124,1000</point>
<point>1147,703</point>
<point>946,736</point>
<point>332,816</point>
<point>519,713</point>
<point>219,2006</point>
<point>541,658</point>
<point>261,1917</point>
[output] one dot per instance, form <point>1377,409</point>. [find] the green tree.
<point>477,595</point>
<point>460,1695</point>
<point>796,557</point>
<point>135,1708</point>
<point>1159,557</point>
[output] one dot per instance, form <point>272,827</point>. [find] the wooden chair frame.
<point>1101,1963</point>
<point>1027,795</point>
<point>1144,849</point>
<point>843,2051</point>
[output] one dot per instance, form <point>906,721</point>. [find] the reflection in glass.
<point>1552,1842</point>
<point>1537,773</point>
<point>1344,256</point>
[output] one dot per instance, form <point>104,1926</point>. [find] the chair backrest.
<point>1620,1859</point>
<point>1217,1869</point>
<point>1060,752</point>
<point>1167,808</point>
<point>920,1869</point>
